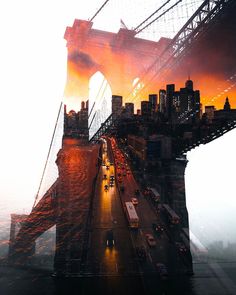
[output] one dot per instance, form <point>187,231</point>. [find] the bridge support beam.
<point>171,180</point>
<point>77,170</point>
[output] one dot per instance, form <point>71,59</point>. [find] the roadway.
<point>108,213</point>
<point>147,215</point>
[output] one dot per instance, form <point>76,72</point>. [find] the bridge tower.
<point>66,204</point>
<point>120,57</point>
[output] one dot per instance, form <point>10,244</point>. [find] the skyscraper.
<point>129,109</point>
<point>189,84</point>
<point>153,102</point>
<point>170,89</point>
<point>162,100</point>
<point>145,108</point>
<point>116,104</point>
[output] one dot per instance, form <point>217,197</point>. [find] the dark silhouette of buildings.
<point>77,121</point>
<point>155,140</point>
<point>116,104</point>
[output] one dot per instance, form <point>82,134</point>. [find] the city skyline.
<point>79,217</point>
<point>22,113</point>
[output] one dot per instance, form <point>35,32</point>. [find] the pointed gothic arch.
<point>100,94</point>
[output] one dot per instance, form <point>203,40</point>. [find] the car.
<point>159,229</point>
<point>104,176</point>
<point>111,164</point>
<point>111,183</point>
<point>110,242</point>
<point>106,187</point>
<point>134,201</point>
<point>150,240</point>
<point>103,164</point>
<point>162,270</point>
<point>112,177</point>
<point>107,167</point>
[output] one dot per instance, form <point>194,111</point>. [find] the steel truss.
<point>194,28</point>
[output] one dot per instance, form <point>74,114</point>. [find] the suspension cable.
<point>49,151</point>
<point>159,16</point>
<point>99,10</point>
<point>152,15</point>
<point>100,88</point>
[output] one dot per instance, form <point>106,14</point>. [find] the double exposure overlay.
<point>111,211</point>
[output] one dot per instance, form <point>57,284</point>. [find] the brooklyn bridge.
<point>119,202</point>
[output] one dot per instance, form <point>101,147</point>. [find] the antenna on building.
<point>188,74</point>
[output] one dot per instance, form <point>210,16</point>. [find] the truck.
<point>131,214</point>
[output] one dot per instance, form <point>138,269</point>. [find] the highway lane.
<point>164,251</point>
<point>108,214</point>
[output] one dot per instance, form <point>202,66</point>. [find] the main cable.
<point>99,10</point>
<point>152,15</point>
<point>49,151</point>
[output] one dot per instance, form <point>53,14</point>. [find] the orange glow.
<point>121,58</point>
<point>213,89</point>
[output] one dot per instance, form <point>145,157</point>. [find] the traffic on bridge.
<point>118,204</point>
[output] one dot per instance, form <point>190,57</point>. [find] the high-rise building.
<point>83,121</point>
<point>189,85</point>
<point>170,89</point>
<point>162,100</point>
<point>129,109</point>
<point>187,103</point>
<point>197,107</point>
<point>176,101</point>
<point>82,105</point>
<point>116,104</point>
<point>153,102</point>
<point>145,108</point>
<point>183,100</point>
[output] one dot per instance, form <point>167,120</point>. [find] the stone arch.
<point>100,94</point>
